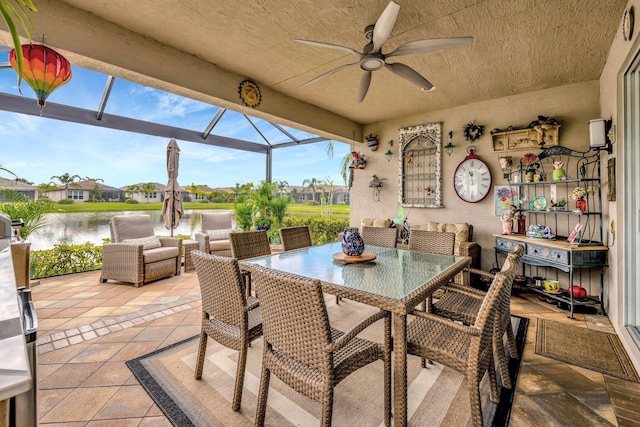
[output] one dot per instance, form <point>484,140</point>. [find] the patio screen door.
<point>631,200</point>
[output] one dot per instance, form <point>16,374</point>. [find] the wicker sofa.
<point>136,255</point>
<point>214,237</point>
<point>463,246</point>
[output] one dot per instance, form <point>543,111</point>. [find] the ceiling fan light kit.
<point>372,59</point>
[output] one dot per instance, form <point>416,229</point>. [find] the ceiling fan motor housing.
<point>372,62</point>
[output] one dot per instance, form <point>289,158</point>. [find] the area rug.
<point>588,348</point>
<point>437,395</point>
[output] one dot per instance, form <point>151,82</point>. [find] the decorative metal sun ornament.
<point>249,93</point>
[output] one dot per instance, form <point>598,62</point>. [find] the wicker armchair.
<point>214,237</point>
<point>136,255</point>
<point>380,236</point>
<point>228,316</point>
<point>249,244</point>
<point>465,348</point>
<point>303,350</point>
<point>462,303</point>
<point>295,237</point>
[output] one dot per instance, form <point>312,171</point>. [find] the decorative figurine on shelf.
<point>507,221</point>
<point>578,194</point>
<point>530,165</point>
<point>522,223</point>
<point>559,174</point>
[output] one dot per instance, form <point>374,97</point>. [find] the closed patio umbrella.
<point>172,207</point>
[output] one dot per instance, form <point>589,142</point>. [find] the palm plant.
<point>18,206</point>
<point>67,180</point>
<point>45,188</point>
<point>130,190</point>
<point>262,196</point>
<point>281,186</point>
<point>148,189</point>
<point>279,210</point>
<point>311,184</point>
<point>15,10</point>
<point>244,213</point>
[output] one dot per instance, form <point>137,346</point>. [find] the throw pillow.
<point>150,242</point>
<point>219,234</point>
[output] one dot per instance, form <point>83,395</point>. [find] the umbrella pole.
<point>173,216</point>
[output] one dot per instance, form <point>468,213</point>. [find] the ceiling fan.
<point>372,58</point>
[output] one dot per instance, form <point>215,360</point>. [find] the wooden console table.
<point>562,256</point>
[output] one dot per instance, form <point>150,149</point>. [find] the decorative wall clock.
<point>249,93</point>
<point>472,178</point>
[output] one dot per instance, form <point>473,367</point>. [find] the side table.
<point>188,246</point>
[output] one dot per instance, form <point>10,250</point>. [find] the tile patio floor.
<point>88,330</point>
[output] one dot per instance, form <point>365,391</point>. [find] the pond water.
<point>80,227</point>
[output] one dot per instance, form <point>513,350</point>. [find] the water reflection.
<point>81,227</point>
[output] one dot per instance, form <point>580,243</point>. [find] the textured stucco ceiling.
<point>518,46</point>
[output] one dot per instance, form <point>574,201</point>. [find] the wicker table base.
<point>188,246</point>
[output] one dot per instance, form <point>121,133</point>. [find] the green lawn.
<point>303,210</point>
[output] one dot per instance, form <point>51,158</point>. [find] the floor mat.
<point>436,396</point>
<point>588,348</point>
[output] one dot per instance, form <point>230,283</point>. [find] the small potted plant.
<point>560,205</point>
<point>578,194</point>
<point>263,222</point>
<point>530,166</point>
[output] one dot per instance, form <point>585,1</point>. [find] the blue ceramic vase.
<point>352,243</point>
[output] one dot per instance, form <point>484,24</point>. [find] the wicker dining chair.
<point>386,237</point>
<point>462,303</point>
<point>249,244</point>
<point>295,237</point>
<point>303,350</point>
<point>433,242</point>
<point>228,316</point>
<point>465,348</point>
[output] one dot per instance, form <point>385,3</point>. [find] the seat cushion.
<point>216,220</point>
<point>159,254</point>
<point>217,245</point>
<point>219,234</point>
<point>131,227</point>
<point>461,230</point>
<point>150,242</point>
<point>375,222</point>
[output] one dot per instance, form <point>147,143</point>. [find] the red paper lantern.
<point>43,69</point>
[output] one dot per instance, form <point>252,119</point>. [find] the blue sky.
<point>36,148</point>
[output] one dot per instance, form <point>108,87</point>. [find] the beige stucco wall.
<point>611,107</point>
<point>572,105</point>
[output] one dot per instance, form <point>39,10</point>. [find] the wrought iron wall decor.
<point>420,163</point>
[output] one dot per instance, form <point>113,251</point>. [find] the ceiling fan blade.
<point>329,45</point>
<point>365,81</point>
<point>384,25</point>
<point>430,45</point>
<point>328,73</point>
<point>410,74</point>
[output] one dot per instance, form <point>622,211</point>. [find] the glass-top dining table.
<point>397,281</point>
